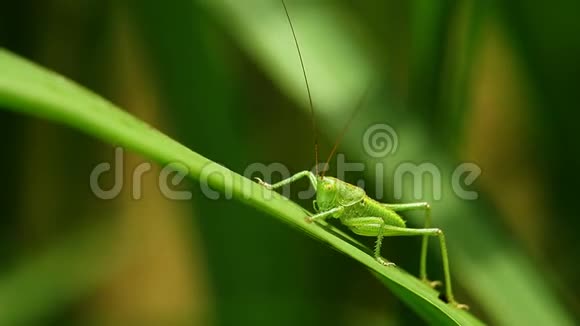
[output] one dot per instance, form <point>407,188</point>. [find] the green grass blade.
<point>30,89</point>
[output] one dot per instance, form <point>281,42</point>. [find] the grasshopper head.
<point>327,190</point>
<point>332,192</point>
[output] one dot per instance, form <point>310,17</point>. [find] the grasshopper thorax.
<point>332,192</point>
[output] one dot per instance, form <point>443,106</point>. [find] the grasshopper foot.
<point>308,219</point>
<point>385,262</point>
<point>460,305</point>
<point>432,284</point>
<point>453,303</point>
<point>265,184</point>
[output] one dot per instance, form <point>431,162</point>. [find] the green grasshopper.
<point>364,215</point>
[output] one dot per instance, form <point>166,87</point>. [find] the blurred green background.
<point>489,82</point>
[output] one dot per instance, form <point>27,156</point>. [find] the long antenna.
<point>346,126</point>
<point>307,87</point>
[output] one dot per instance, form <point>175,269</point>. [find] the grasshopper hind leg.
<point>370,226</point>
<point>425,241</point>
<point>432,232</point>
<point>378,246</point>
<point>375,226</point>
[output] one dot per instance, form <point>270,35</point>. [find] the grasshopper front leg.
<point>293,178</point>
<point>297,176</point>
<point>323,215</point>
